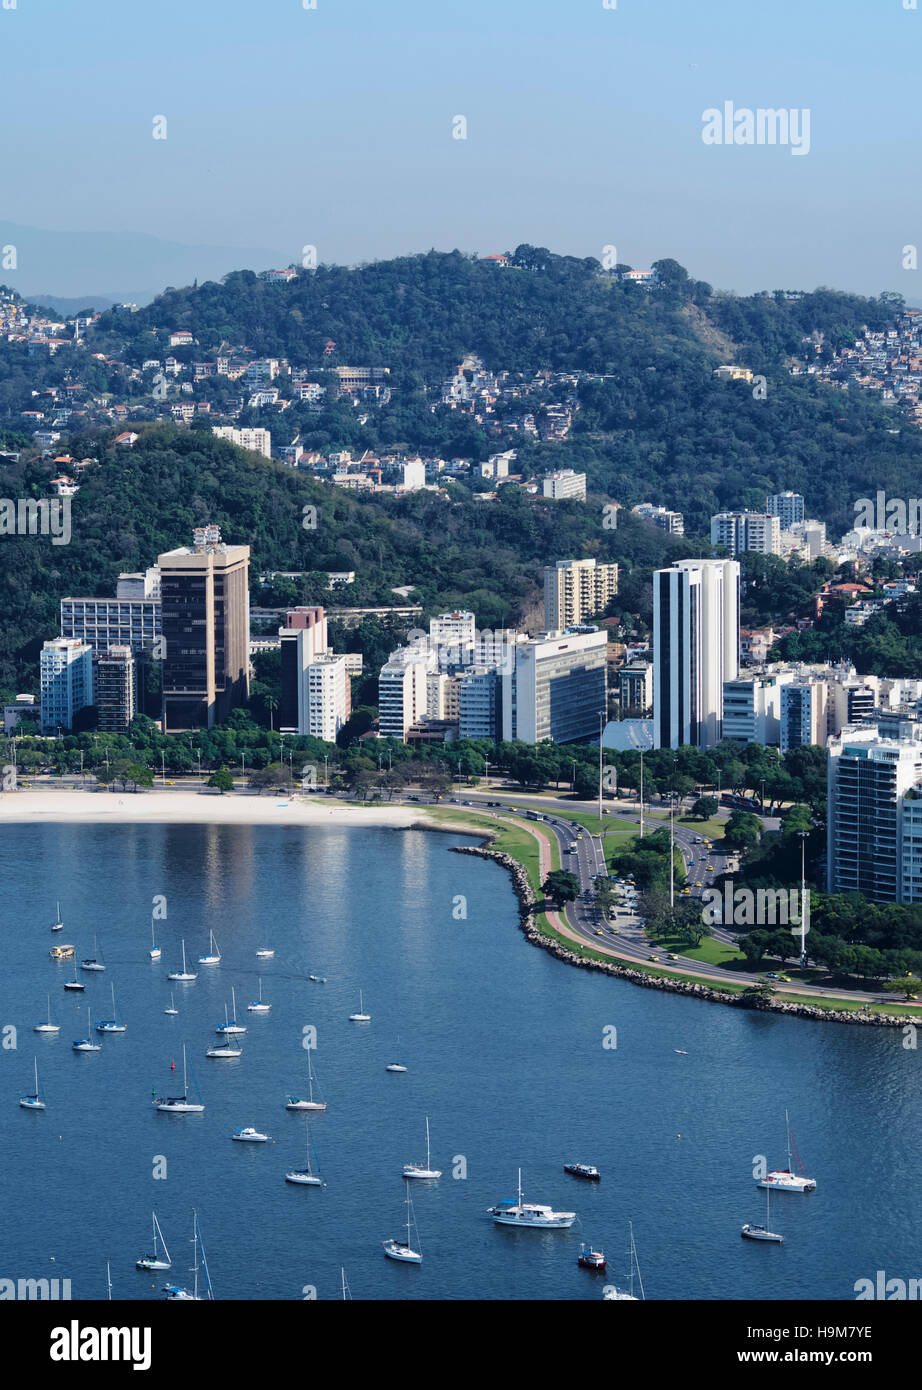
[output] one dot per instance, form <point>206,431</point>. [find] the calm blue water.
<point>504,1050</point>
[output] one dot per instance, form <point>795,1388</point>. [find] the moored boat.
<point>533,1214</point>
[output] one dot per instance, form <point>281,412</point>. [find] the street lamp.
<point>803,900</point>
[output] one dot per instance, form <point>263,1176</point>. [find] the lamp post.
<point>601,728</point>
<point>641,793</point>
<point>803,900</point>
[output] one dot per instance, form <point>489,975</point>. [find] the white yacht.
<point>298,1102</point>
<point>154,948</point>
<point>403,1250</point>
<point>225,1048</point>
<point>785,1179</point>
<point>180,1105</point>
<point>174,1292</point>
<point>618,1295</point>
<point>520,1213</point>
<point>37,1100</point>
<point>420,1170</point>
<point>753,1232</point>
<point>361,1016</point>
<point>395,1066</point>
<point>172,1009</point>
<point>156,1260</point>
<point>214,955</point>
<point>93,962</point>
<point>305,1176</point>
<point>86,1044</point>
<point>111,1025</point>
<point>248,1135</point>
<point>58,923</point>
<point>48,1027</point>
<point>184,975</point>
<point>260,1006</point>
<point>230,1025</point>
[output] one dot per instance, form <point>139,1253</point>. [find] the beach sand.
<point>162,806</point>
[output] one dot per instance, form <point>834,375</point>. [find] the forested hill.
<point>658,425</point>
<point>136,503</point>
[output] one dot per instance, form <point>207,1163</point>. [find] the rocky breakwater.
<point>668,983</point>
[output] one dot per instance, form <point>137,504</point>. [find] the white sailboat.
<point>111,1025</point>
<point>395,1066</point>
<point>174,1292</point>
<point>785,1179</point>
<point>347,1292</point>
<point>231,1025</point>
<point>86,1044</point>
<point>520,1213</point>
<point>93,962</point>
<point>752,1232</point>
<point>172,1009</point>
<point>297,1102</point>
<point>305,1176</point>
<point>74,984</point>
<point>260,1006</point>
<point>618,1295</point>
<point>36,1101</point>
<point>419,1170</point>
<point>403,1250</point>
<point>227,1047</point>
<point>184,975</point>
<point>48,1027</point>
<point>214,955</point>
<point>180,1105</point>
<point>154,948</point>
<point>361,1016</point>
<point>156,1260</point>
<point>265,952</point>
<point>58,923</point>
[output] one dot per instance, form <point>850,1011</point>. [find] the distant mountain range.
<point>77,270</point>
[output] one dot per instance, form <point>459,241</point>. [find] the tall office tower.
<point>402,691</point>
<point>480,703</point>
<point>575,590</point>
<point>739,531</point>
<point>788,507</point>
<point>696,640</point>
<point>869,830</point>
<point>66,672</point>
<point>206,630</point>
<point>555,687</point>
<point>115,689</point>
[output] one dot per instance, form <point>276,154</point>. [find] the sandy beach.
<point>66,806</point>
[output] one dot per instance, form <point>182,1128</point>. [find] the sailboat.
<point>180,1105</point>
<point>111,1025</point>
<point>753,1232</point>
<point>617,1296</point>
<point>418,1170</point>
<point>177,1294</point>
<point>521,1213</point>
<point>92,962</point>
<point>265,952</point>
<point>86,1044</point>
<point>184,974</point>
<point>58,923</point>
<point>260,1007</point>
<point>231,1025</point>
<point>214,956</point>
<point>156,1260</point>
<point>172,1009</point>
<point>109,1281</point>
<point>74,983</point>
<point>395,1066</point>
<point>785,1179</point>
<point>296,1103</point>
<point>347,1292</point>
<point>154,948</point>
<point>48,1027</point>
<point>305,1175</point>
<point>403,1250</point>
<point>361,1016</point>
<point>36,1100</point>
<point>227,1047</point>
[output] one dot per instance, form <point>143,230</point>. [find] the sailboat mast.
<point>428,1164</point>
<point>787,1127</point>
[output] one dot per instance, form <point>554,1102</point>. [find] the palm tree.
<point>271,704</point>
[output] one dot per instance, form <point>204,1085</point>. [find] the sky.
<point>333,128</point>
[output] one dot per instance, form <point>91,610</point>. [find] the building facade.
<point>66,673</point>
<point>696,636</point>
<point>555,687</point>
<point>575,590</point>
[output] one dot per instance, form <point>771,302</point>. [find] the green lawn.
<point>709,951</point>
<point>508,839</point>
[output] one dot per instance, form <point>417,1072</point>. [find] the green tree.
<point>222,780</point>
<point>561,887</point>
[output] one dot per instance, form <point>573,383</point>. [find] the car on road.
<point>785,978</point>
<point>655,958</point>
<point>770,975</point>
<point>673,956</point>
<point>600,932</point>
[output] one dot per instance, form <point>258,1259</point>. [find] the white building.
<point>671,522</point>
<point>696,637</point>
<point>23,707</point>
<point>258,441</point>
<point>874,830</point>
<point>403,691</point>
<point>413,475</point>
<point>788,507</point>
<point>316,689</point>
<point>752,708</point>
<point>66,667</point>
<point>555,687</point>
<point>575,590</point>
<point>739,531</point>
<point>565,484</point>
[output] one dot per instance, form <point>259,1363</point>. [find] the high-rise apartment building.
<point>206,622</point>
<point>739,531</point>
<point>803,719</point>
<point>565,483</point>
<point>788,507</point>
<point>873,835</point>
<point>575,590</point>
<point>131,619</point>
<point>259,441</point>
<point>555,687</point>
<point>403,691</point>
<point>315,683</point>
<point>696,637</point>
<point>115,689</point>
<point>66,673</point>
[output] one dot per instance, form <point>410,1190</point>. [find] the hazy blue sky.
<point>333,127</point>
